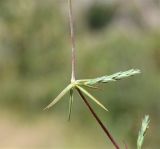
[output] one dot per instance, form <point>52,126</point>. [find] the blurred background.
<point>35,65</point>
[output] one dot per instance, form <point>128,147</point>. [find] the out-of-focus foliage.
<point>35,64</point>
<point>98,15</point>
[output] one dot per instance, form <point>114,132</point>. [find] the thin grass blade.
<point>92,97</point>
<point>59,96</point>
<point>70,104</point>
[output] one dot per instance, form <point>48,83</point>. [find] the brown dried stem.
<point>98,120</point>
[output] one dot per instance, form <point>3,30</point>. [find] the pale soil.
<point>46,133</point>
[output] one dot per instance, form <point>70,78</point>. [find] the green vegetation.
<point>34,66</point>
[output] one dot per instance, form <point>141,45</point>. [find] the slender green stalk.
<point>73,77</point>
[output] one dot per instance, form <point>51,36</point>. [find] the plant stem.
<point>72,40</point>
<point>126,147</point>
<point>98,120</point>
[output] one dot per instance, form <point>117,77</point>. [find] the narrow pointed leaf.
<point>92,97</point>
<point>70,104</point>
<point>59,96</point>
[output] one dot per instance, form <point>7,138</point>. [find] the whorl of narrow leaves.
<point>90,83</point>
<point>113,77</point>
<point>142,132</point>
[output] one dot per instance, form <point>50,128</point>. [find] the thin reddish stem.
<point>73,77</point>
<point>98,120</point>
